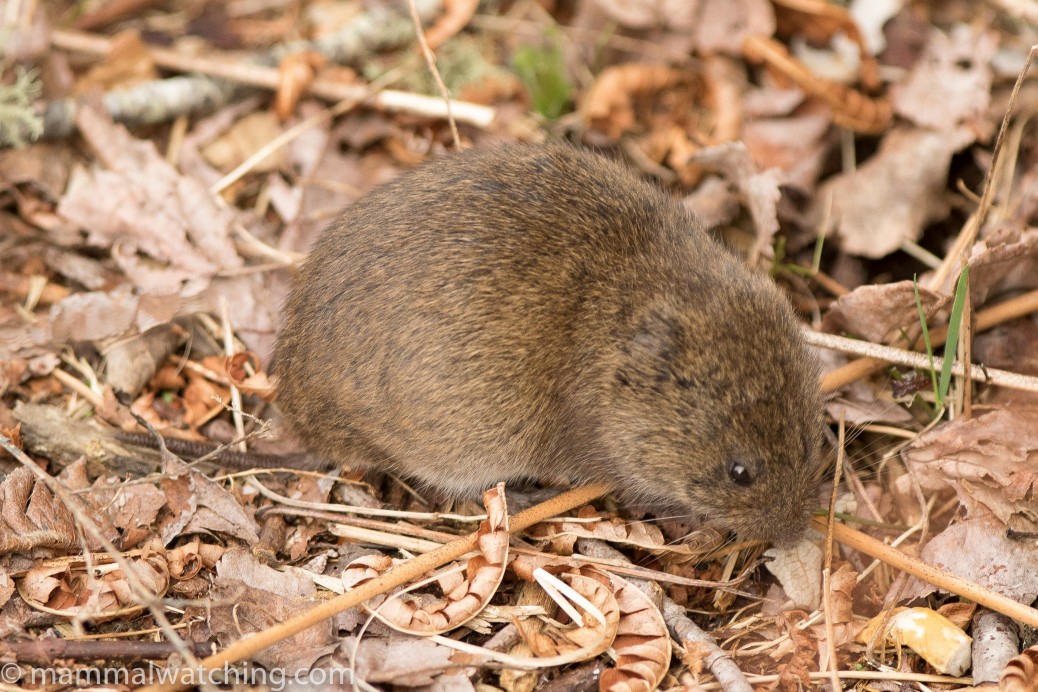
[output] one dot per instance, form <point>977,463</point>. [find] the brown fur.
<point>540,312</point>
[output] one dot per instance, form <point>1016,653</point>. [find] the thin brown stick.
<point>827,599</point>
<point>430,61</point>
<point>911,359</point>
<point>957,255</point>
<point>44,651</point>
<point>931,574</point>
<point>397,576</point>
<point>263,77</point>
<point>986,319</point>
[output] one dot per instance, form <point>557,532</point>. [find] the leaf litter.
<point>842,151</point>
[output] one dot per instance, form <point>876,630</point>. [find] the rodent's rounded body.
<point>542,313</point>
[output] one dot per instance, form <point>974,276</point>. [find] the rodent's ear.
<point>656,334</point>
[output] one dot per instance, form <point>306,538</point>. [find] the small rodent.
<point>540,312</point>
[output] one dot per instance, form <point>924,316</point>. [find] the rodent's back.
<point>539,312</point>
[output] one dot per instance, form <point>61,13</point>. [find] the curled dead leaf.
<point>612,529</point>
<point>465,592</point>
<point>69,591</point>
<point>642,642</point>
<point>1021,673</point>
<point>850,108</point>
<point>187,560</point>
<point>799,570</point>
<point>609,105</point>
<point>31,517</point>
<point>295,74</point>
<point>457,14</point>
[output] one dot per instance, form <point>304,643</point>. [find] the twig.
<point>396,576</point>
<point>899,356</point>
<point>217,82</point>
<point>892,675</point>
<point>957,254</point>
<point>827,598</point>
<point>931,574</point>
<point>986,319</point>
<point>229,351</point>
<point>430,61</point>
<point>369,511</point>
<point>44,651</point>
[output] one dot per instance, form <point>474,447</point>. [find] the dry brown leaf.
<point>959,613</point>
<point>7,587</point>
<point>797,145</point>
<point>187,560</point>
<point>243,139</point>
<point>464,596</point>
<point>1003,264</point>
<point>200,397</point>
<point>127,64</point>
<point>642,642</point>
<point>893,195</point>
<point>563,534</point>
<point>67,590</point>
<point>140,203</point>
<point>841,584</point>
<point>95,315</point>
<point>702,26</point>
<point>457,14</point>
<point>648,14</point>
<point>794,673</point>
<point>722,25</point>
<point>961,64</point>
<point>714,202</point>
<point>296,73</point>
<point>610,103</point>
<point>990,460</point>
<point>759,189</point>
<point>880,312</point>
<point>46,166</point>
<point>798,569</point>
<point>197,504</point>
<point>31,517</point>
<point>404,661</point>
<point>248,597</point>
<point>1021,673</point>
<point>979,550</point>
<point>822,23</point>
<point>850,108</point>
<point>133,509</point>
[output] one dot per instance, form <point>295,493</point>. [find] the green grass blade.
<point>926,340</point>
<point>954,324</point>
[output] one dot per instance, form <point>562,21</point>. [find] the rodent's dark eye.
<point>740,474</point>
